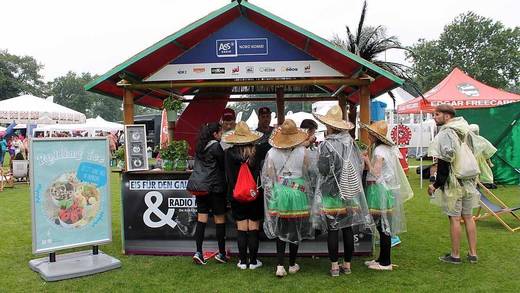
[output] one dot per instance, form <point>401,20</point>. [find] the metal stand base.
<point>73,265</point>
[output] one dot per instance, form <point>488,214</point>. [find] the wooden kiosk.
<point>237,53</point>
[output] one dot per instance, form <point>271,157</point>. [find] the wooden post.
<point>342,102</point>
<point>364,112</point>
<point>280,105</point>
<point>128,107</point>
<point>352,116</point>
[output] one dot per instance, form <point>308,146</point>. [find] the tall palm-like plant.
<point>370,42</point>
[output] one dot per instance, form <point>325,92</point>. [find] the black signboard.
<point>159,218</point>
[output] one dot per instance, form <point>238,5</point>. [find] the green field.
<point>418,271</point>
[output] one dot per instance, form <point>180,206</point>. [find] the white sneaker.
<point>280,272</point>
<point>379,267</point>
<point>294,269</point>
<point>255,266</point>
<point>370,262</point>
<point>242,266</point>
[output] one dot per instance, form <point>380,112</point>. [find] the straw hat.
<point>241,135</point>
<point>378,130</point>
<point>287,135</point>
<point>334,119</point>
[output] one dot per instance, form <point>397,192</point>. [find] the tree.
<point>19,75</point>
<point>480,46</point>
<point>68,91</point>
<point>370,42</point>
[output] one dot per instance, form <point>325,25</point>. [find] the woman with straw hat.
<point>339,199</point>
<point>246,214</point>
<point>286,193</point>
<point>386,189</point>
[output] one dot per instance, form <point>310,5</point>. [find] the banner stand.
<point>73,265</point>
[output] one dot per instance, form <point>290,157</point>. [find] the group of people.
<point>16,146</point>
<point>298,187</point>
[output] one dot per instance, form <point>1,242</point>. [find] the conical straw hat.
<point>241,135</point>
<point>334,119</point>
<point>287,135</point>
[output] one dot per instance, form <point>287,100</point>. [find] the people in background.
<point>287,195</point>
<point>457,196</point>
<point>264,121</point>
<point>3,149</point>
<point>339,199</point>
<point>246,214</point>
<point>208,183</point>
<point>386,190</point>
<point>487,150</point>
<point>228,124</point>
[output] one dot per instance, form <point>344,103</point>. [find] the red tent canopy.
<point>460,91</point>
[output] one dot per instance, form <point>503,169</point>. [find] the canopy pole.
<point>128,106</point>
<point>364,112</point>
<point>421,153</point>
<point>280,105</point>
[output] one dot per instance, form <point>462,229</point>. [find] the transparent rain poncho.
<point>287,195</point>
<point>330,210</point>
<point>444,146</point>
<point>387,189</point>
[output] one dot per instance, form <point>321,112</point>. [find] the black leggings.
<point>280,252</point>
<point>333,244</point>
<point>385,246</point>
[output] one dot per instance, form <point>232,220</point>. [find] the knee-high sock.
<point>242,246</point>
<point>199,235</point>
<point>332,245</point>
<point>385,246</point>
<point>348,243</point>
<point>252,243</point>
<point>221,237</point>
<point>293,251</point>
<point>280,251</point>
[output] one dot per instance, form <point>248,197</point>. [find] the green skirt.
<point>379,198</point>
<point>288,202</point>
<point>335,205</point>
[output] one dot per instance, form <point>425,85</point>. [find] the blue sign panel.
<point>70,193</point>
<point>242,41</point>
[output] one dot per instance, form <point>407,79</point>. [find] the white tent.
<point>33,110</point>
<point>99,123</point>
<point>252,121</point>
<point>91,126</point>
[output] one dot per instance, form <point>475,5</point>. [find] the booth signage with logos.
<point>70,197</point>
<point>159,218</point>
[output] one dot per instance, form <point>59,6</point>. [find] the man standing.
<point>228,124</point>
<point>264,121</point>
<point>458,196</point>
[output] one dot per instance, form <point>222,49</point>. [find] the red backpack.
<point>245,188</point>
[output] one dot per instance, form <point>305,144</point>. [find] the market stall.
<point>238,53</point>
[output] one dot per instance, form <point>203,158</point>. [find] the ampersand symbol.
<point>153,207</point>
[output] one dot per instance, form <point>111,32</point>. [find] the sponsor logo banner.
<point>242,47</point>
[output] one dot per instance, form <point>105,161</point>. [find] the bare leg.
<point>455,236</point>
<point>471,233</point>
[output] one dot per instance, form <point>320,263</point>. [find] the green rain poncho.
<point>444,147</point>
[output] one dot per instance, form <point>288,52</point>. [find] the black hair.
<point>206,135</point>
<point>309,124</point>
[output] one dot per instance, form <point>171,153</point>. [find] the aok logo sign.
<point>226,48</point>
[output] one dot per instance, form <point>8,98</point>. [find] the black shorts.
<point>213,202</point>
<point>253,211</point>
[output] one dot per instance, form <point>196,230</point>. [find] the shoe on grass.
<point>253,266</point>
<point>222,257</point>
<point>242,266</point>
<point>378,267</point>
<point>450,259</point>
<point>280,272</point>
<point>472,259</point>
<point>370,262</point>
<point>395,241</point>
<point>198,258</point>
<point>344,270</point>
<point>334,272</point>
<point>294,269</point>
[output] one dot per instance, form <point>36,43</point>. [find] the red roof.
<point>460,91</point>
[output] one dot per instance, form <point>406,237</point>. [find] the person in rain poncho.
<point>287,194</point>
<point>456,196</point>
<point>386,189</point>
<point>485,151</point>
<point>339,202</point>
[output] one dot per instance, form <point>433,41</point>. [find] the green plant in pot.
<point>175,156</point>
<point>172,107</point>
<point>119,155</point>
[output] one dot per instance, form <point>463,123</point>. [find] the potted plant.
<point>119,155</point>
<point>175,155</point>
<point>172,107</point>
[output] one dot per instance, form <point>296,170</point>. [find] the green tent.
<point>501,126</point>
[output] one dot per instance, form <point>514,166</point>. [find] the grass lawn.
<point>418,271</point>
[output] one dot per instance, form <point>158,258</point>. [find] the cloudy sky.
<point>94,36</point>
